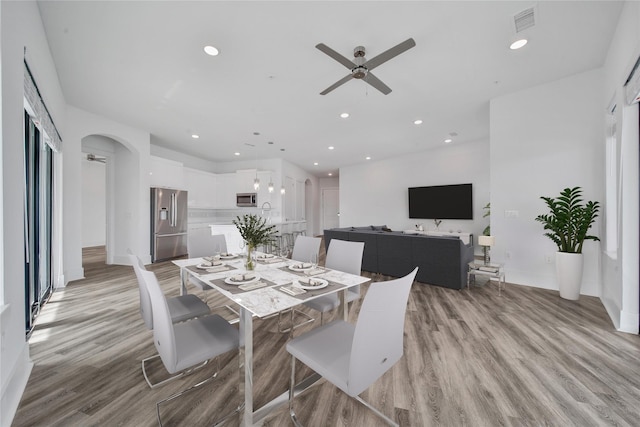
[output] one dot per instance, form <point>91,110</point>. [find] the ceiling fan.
<point>93,158</point>
<point>361,67</point>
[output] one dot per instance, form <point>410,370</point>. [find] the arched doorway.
<point>108,195</point>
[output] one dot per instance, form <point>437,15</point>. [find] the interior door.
<point>330,208</point>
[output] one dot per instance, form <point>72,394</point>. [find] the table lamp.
<point>486,242</point>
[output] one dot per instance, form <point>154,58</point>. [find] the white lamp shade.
<point>486,240</point>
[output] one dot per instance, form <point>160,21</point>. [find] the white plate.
<point>228,256</point>
<point>303,283</point>
<point>230,281</point>
<point>303,266</point>
<point>265,256</point>
<point>205,267</point>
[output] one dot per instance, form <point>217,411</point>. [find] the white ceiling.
<point>142,63</point>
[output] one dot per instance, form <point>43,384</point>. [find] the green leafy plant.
<point>254,229</point>
<point>569,220</point>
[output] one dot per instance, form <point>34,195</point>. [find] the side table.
<point>492,271</point>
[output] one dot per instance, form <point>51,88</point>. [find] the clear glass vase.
<point>250,264</point>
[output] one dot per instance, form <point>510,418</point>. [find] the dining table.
<point>276,284</point>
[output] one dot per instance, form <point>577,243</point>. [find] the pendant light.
<point>256,182</point>
<point>270,187</point>
<point>282,190</point>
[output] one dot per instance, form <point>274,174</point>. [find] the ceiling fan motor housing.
<point>360,71</point>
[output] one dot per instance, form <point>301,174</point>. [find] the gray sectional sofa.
<point>442,260</point>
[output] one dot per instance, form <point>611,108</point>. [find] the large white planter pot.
<point>569,274</point>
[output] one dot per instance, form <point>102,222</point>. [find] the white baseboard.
<point>14,387</point>
<point>613,311</point>
<point>71,275</point>
<point>629,322</point>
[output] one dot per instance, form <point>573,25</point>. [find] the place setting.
<point>308,286</point>
<point>268,258</point>
<point>241,282</point>
<point>209,265</point>
<point>310,268</point>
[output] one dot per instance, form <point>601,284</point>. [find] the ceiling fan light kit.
<point>361,68</point>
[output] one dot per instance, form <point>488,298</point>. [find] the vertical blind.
<point>34,98</point>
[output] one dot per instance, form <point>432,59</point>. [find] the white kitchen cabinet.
<point>226,191</point>
<point>166,173</point>
<point>202,187</point>
<point>244,181</point>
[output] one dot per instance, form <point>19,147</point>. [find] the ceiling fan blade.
<point>388,54</point>
<point>377,83</point>
<point>336,84</point>
<point>335,55</point>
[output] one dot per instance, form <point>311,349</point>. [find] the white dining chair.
<point>181,308</point>
<point>200,242</point>
<point>185,345</point>
<point>303,249</point>
<point>352,357</point>
<point>342,256</point>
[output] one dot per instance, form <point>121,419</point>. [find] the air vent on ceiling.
<point>525,19</point>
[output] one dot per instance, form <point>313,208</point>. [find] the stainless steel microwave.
<point>246,200</point>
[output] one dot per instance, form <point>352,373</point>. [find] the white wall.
<point>20,28</point>
<point>620,276</point>
<point>186,159</point>
<point>128,173</point>
<point>545,139</point>
<point>376,193</point>
<point>93,203</point>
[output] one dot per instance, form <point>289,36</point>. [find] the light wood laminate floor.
<point>472,358</point>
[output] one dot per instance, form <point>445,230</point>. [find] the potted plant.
<point>567,223</point>
<point>255,232</point>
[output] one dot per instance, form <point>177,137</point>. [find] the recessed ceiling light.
<point>448,140</point>
<point>236,153</point>
<point>210,50</point>
<point>315,163</point>
<point>344,115</point>
<point>368,158</point>
<point>194,136</point>
<point>417,122</point>
<point>331,147</point>
<point>518,44</point>
<point>330,174</point>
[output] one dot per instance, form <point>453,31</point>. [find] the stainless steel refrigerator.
<point>168,223</point>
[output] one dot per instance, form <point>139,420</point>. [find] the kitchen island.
<point>234,240</point>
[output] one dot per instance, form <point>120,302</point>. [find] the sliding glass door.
<point>38,191</point>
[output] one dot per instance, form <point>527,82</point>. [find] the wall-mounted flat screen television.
<point>441,202</point>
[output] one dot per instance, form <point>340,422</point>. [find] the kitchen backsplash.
<point>225,216</point>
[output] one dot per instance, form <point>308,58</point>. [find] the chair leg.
<point>292,386</point>
<point>193,387</point>
<point>375,411</point>
<point>171,378</point>
<point>293,311</point>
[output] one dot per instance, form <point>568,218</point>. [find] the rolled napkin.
<point>210,262</point>
<point>309,282</point>
<point>243,277</point>
<point>302,265</point>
